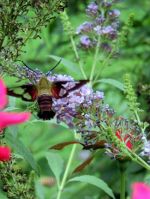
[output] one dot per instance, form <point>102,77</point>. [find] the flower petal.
<point>126,139</point>
<point>7,119</point>
<point>140,190</point>
<point>3,96</point>
<point>5,153</point>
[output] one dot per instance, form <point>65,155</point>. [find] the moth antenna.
<point>56,65</point>
<point>48,73</point>
<point>27,66</point>
<point>29,72</point>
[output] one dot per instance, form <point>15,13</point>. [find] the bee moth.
<point>43,91</point>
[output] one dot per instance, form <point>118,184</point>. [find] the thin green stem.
<point>137,117</point>
<point>122,180</point>
<point>95,59</point>
<point>77,57</point>
<point>103,66</point>
<point>139,121</point>
<point>66,173</point>
<point>139,160</point>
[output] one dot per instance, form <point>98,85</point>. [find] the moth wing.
<point>60,85</point>
<point>27,92</point>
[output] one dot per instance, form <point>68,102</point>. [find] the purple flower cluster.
<point>103,22</point>
<point>65,108</point>
<point>90,114</point>
<point>81,109</point>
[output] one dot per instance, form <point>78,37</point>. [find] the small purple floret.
<point>98,95</point>
<point>92,9</point>
<point>107,30</point>
<point>114,13</point>
<point>85,27</point>
<point>85,41</point>
<point>100,20</point>
<point>98,29</point>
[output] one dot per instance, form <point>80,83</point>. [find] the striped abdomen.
<point>45,107</point>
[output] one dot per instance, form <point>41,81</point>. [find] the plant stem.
<point>122,194</point>
<point>105,61</point>
<point>77,57</point>
<point>62,184</point>
<point>139,121</point>
<point>122,180</point>
<point>139,160</point>
<point>95,59</point>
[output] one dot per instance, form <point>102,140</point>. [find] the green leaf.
<point>3,195</point>
<point>52,121</point>
<point>94,181</point>
<point>147,178</point>
<point>11,109</point>
<point>12,102</point>
<point>56,164</point>
<point>15,143</point>
<point>70,65</point>
<point>39,190</point>
<point>112,82</point>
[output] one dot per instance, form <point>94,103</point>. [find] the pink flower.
<point>7,118</point>
<point>5,153</point>
<point>3,97</point>
<point>140,190</point>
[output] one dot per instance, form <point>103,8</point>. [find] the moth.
<point>43,90</point>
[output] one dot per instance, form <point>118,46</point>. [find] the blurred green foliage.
<point>39,136</point>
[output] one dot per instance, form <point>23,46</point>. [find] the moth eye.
<point>27,96</point>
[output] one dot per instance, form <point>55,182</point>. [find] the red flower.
<point>140,190</point>
<point>126,139</point>
<point>5,153</point>
<point>7,118</point>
